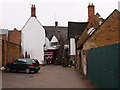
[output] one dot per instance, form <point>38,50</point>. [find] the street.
<point>49,76</point>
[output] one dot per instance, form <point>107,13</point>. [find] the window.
<point>54,43</point>
<point>22,61</point>
<point>16,62</point>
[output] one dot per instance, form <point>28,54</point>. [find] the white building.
<point>33,37</point>
<point>53,44</point>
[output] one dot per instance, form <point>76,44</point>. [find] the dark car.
<point>26,65</point>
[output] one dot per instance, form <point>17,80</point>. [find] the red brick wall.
<point>15,37</point>
<point>10,52</point>
<point>91,12</point>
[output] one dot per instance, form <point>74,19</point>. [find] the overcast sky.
<point>15,13</point>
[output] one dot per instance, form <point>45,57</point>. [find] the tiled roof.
<point>84,37</point>
<point>64,32</point>
<point>76,28</point>
<point>50,31</point>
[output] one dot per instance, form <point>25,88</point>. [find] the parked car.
<point>23,64</point>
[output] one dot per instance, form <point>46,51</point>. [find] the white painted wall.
<point>72,46</point>
<point>48,43</point>
<point>54,39</point>
<point>33,39</point>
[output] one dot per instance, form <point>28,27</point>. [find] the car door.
<point>15,65</point>
<point>22,65</point>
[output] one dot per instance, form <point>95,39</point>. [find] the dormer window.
<point>90,31</point>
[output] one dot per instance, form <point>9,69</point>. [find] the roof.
<point>29,20</point>
<point>107,19</point>
<point>50,31</point>
<point>84,37</point>
<point>64,32</point>
<point>76,28</point>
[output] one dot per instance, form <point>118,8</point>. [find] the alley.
<point>49,76</point>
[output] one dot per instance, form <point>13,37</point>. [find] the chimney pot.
<point>33,11</point>
<point>56,23</point>
<point>90,11</point>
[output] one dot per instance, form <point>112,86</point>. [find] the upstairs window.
<point>54,43</point>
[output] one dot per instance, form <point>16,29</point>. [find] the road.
<point>49,76</point>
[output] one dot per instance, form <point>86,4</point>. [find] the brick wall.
<point>10,52</point>
<point>15,36</point>
<point>106,34</point>
<point>0,52</point>
<point>93,22</point>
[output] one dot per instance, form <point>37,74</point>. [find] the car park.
<point>23,64</point>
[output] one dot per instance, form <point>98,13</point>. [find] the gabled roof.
<point>64,32</point>
<point>28,21</point>
<point>107,19</point>
<point>84,37</point>
<point>109,16</point>
<point>76,28</point>
<point>54,39</point>
<point>50,32</point>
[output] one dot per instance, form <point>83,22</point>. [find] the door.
<point>22,64</point>
<point>15,65</point>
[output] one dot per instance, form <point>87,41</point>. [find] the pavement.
<point>49,76</point>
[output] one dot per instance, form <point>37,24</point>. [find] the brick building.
<point>94,20</point>
<point>10,48</point>
<point>75,29</point>
<point>33,37</point>
<point>3,36</point>
<point>97,52</point>
<point>0,51</point>
<point>15,36</point>
<point>56,37</point>
<point>106,34</point>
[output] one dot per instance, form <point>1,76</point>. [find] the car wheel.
<point>8,69</point>
<point>28,70</point>
<point>36,71</point>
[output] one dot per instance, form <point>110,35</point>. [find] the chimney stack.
<point>91,11</point>
<point>56,23</point>
<point>33,11</point>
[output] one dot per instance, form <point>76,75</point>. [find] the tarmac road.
<point>49,76</point>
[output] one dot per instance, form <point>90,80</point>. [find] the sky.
<point>15,13</point>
